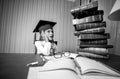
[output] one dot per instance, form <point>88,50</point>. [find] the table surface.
<point>13,66</point>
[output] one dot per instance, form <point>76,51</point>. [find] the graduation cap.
<point>44,25</point>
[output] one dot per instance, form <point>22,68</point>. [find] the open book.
<point>67,68</point>
<point>92,67</point>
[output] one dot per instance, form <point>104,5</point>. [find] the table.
<point>13,65</point>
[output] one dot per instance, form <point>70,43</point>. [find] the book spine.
<point>83,14</point>
<point>84,26</point>
<point>91,55</point>
<point>98,46</point>
<point>93,42</point>
<point>100,51</point>
<point>94,30</point>
<point>94,18</point>
<point>93,36</point>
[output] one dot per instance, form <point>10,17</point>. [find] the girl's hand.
<point>44,36</point>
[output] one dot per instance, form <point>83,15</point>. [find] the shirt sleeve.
<point>44,49</point>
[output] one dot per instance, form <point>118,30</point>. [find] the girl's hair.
<point>41,37</point>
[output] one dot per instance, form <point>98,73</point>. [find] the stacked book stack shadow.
<point>90,31</point>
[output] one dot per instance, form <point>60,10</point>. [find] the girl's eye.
<point>48,31</point>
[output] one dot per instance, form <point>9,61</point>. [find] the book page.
<point>59,64</point>
<point>61,68</point>
<point>34,73</point>
<point>88,66</point>
<point>98,77</point>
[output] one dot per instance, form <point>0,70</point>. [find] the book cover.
<point>98,46</point>
<point>92,30</point>
<point>99,51</point>
<point>92,42</point>
<point>84,26</point>
<point>86,13</point>
<point>93,36</point>
<point>93,55</point>
<point>94,18</point>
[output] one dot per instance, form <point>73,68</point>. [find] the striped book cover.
<point>93,42</point>
<point>94,18</point>
<point>91,55</point>
<point>84,26</point>
<point>86,13</point>
<point>98,46</point>
<point>98,30</point>
<point>99,51</point>
<point>93,36</point>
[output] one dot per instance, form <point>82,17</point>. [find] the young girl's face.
<point>49,34</point>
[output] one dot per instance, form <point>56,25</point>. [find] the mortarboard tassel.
<point>34,43</point>
<point>80,2</point>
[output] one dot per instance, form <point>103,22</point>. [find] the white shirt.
<point>43,47</point>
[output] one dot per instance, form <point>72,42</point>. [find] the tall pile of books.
<point>90,31</point>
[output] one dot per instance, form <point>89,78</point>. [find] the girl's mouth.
<point>51,36</point>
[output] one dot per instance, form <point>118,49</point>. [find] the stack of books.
<point>90,31</point>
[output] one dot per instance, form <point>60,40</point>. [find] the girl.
<point>46,46</point>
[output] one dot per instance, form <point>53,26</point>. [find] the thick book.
<point>77,68</point>
<point>88,7</point>
<point>86,13</point>
<point>98,46</point>
<point>93,42</point>
<point>92,30</point>
<point>99,51</point>
<point>89,19</point>
<point>84,26</point>
<point>92,55</point>
<point>93,36</point>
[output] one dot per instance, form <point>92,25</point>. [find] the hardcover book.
<point>93,30</point>
<point>84,26</point>
<point>86,13</point>
<point>94,18</point>
<point>92,55</point>
<point>93,36</point>
<point>98,46</point>
<point>99,51</point>
<point>93,42</point>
